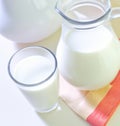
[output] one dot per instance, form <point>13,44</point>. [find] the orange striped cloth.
<point>96,106</point>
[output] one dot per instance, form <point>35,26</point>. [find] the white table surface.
<point>14,108</point>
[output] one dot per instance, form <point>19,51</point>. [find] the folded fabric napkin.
<point>97,106</point>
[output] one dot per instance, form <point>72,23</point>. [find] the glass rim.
<point>37,83</point>
<point>84,24</point>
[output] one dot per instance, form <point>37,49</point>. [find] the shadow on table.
<point>50,42</point>
<point>62,116</point>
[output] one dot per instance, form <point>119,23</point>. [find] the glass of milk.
<point>88,51</point>
<point>34,70</point>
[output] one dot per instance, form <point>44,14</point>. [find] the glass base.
<point>48,110</point>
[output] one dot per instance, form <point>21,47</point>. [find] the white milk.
<point>87,62</point>
<point>88,58</point>
<point>33,70</point>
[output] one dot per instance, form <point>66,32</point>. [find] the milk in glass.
<point>37,77</point>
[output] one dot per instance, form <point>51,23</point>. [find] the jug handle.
<point>115,13</point>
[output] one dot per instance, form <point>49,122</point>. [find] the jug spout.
<point>59,8</point>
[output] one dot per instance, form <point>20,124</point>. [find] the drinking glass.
<point>34,70</point>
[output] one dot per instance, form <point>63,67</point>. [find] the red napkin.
<point>97,106</point>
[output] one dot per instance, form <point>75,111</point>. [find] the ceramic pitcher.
<point>28,20</point>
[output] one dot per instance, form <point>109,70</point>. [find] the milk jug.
<point>88,52</point>
<point>28,20</point>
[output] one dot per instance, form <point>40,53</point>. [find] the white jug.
<point>28,20</point>
<point>88,51</point>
